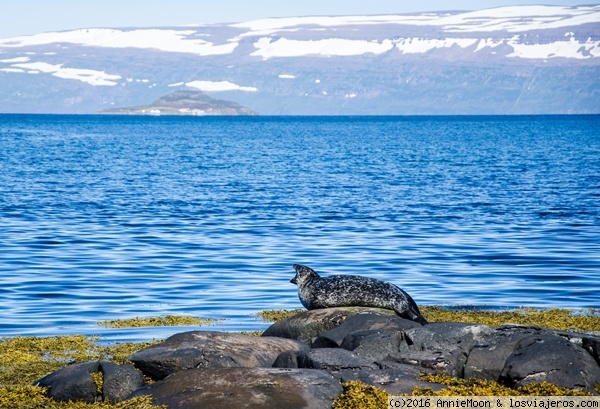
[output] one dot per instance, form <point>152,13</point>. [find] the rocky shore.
<point>302,362</point>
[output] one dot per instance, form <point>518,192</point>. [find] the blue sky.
<point>23,17</point>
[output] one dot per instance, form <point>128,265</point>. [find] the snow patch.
<point>177,84</point>
<point>564,49</point>
<point>16,59</point>
<point>327,47</point>
<point>92,77</point>
<point>164,40</point>
<point>418,46</point>
<point>11,70</point>
<point>217,86</point>
<point>286,76</point>
<point>510,18</point>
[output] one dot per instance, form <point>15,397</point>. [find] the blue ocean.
<point>108,217</point>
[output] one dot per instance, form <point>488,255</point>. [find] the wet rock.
<point>310,324</point>
<point>72,383</point>
<point>361,322</point>
<point>246,388</point>
<point>120,381</point>
<point>551,358</point>
<point>210,349</point>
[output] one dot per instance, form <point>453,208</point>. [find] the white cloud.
<point>286,76</point>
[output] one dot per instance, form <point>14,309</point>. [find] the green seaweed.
<point>162,321</point>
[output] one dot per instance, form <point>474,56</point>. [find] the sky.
<point>26,17</point>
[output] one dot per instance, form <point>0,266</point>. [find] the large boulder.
<point>308,325</point>
<point>119,381</point>
<point>72,383</point>
<point>335,359</point>
<point>486,360</point>
<point>75,382</point>
<point>362,322</point>
<point>373,344</point>
<point>439,347</point>
<point>245,388</point>
<point>551,358</point>
<point>210,349</point>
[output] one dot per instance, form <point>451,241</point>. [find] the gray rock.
<point>450,361</point>
<point>486,360</point>
<point>362,322</point>
<point>119,381</point>
<point>373,345</point>
<point>592,345</point>
<point>291,359</point>
<point>210,349</point>
<point>442,335</point>
<point>72,383</point>
<point>334,359</point>
<point>245,388</point>
<point>439,347</point>
<point>551,358</point>
<point>310,324</point>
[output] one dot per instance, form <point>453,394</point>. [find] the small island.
<point>185,103</point>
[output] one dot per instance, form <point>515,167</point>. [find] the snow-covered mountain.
<point>508,60</point>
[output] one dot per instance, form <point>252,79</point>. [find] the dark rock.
<point>440,347</point>
<point>444,335</point>
<point>592,345</point>
<point>486,361</point>
<point>448,362</point>
<point>210,349</point>
<point>373,345</point>
<point>72,383</point>
<point>361,322</point>
<point>393,381</point>
<point>310,324</point>
<point>119,381</point>
<point>334,359</point>
<point>551,358</point>
<point>291,359</point>
<point>247,388</point>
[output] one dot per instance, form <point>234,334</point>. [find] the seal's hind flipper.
<point>303,269</point>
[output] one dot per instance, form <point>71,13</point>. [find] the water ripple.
<point>117,217</point>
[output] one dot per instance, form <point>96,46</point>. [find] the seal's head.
<point>303,275</point>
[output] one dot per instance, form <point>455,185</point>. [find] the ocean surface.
<point>107,217</point>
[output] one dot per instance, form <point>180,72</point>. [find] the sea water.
<point>109,217</point>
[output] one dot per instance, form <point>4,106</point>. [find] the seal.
<point>317,292</point>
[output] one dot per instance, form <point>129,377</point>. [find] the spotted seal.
<point>317,292</point>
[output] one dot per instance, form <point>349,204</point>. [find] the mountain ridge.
<point>507,60</point>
